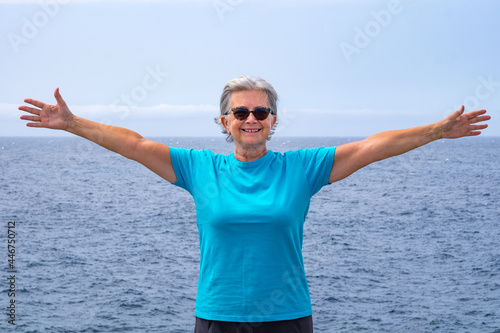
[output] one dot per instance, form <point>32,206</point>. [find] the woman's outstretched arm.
<point>130,144</point>
<point>355,155</point>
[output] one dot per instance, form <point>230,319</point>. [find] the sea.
<point>102,244</point>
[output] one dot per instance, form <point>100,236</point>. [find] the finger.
<point>31,118</point>
<point>479,119</point>
<point>29,109</point>
<point>34,124</point>
<point>478,127</point>
<point>58,97</point>
<point>35,102</point>
<point>459,111</point>
<point>476,113</point>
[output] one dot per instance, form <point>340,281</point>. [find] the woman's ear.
<point>225,123</point>
<point>273,121</point>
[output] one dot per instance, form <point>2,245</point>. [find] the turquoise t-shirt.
<point>250,218</point>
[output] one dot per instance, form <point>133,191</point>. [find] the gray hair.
<point>243,83</point>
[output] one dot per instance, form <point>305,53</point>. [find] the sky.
<point>340,67</point>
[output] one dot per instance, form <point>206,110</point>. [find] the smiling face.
<point>249,133</point>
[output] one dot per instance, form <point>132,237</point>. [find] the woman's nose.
<point>251,118</point>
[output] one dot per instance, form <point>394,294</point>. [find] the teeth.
<point>251,131</point>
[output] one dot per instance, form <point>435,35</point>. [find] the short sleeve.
<point>180,163</point>
<point>317,164</point>
<point>186,162</point>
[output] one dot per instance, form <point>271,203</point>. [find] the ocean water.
<point>409,244</point>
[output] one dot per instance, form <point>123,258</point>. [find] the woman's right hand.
<point>153,155</point>
<point>48,116</point>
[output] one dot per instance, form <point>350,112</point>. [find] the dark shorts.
<point>301,325</point>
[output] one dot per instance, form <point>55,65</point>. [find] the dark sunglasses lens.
<point>260,113</point>
<point>241,113</point>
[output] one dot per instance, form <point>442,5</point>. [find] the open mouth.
<point>251,130</point>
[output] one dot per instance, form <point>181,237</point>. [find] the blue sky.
<point>341,68</point>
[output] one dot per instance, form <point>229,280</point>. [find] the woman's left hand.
<point>460,124</point>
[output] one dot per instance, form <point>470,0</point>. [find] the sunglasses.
<point>242,113</point>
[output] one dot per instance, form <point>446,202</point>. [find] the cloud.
<point>161,111</point>
<point>356,112</point>
<point>122,112</point>
<point>191,120</point>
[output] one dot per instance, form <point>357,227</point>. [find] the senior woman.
<point>251,205</point>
